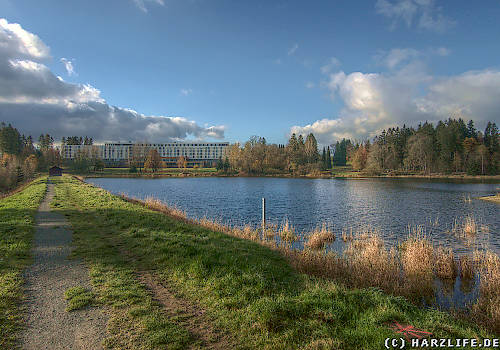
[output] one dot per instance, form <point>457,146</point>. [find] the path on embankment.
<point>48,324</point>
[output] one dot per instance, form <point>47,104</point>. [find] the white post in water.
<point>263,215</point>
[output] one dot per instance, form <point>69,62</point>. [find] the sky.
<point>163,70</point>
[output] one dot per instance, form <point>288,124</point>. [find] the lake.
<point>390,205</point>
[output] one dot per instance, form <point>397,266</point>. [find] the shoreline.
<point>352,175</point>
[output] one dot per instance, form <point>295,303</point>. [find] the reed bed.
<point>408,270</point>
<point>319,238</point>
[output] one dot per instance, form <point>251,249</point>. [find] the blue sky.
<point>232,69</point>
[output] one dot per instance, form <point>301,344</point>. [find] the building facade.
<point>124,154</point>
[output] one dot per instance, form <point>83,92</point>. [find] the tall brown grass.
<point>407,270</point>
<point>487,308</point>
<point>320,237</point>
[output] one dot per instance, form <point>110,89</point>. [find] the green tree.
<point>311,149</point>
<point>10,140</point>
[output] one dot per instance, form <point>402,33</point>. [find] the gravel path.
<point>49,325</point>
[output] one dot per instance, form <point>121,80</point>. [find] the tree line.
<point>449,147</point>
<point>20,160</point>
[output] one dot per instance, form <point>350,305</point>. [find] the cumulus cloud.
<point>141,4</point>
<point>423,14</point>
<point>35,100</point>
<point>68,65</point>
<point>19,43</point>
<point>407,95</point>
<point>293,49</point>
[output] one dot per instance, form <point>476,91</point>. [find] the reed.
<point>370,263</point>
<point>319,238</point>
<point>466,267</point>
<point>487,308</point>
<point>286,232</point>
<point>445,267</point>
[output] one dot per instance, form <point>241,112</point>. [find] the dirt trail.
<point>49,325</point>
<point>193,316</point>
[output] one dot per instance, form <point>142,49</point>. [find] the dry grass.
<point>319,238</point>
<point>347,236</point>
<point>487,308</point>
<point>445,267</point>
<point>371,264</point>
<point>466,267</point>
<point>286,232</point>
<point>417,255</point>
<point>468,228</point>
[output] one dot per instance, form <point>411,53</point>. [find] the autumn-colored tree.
<point>182,162</point>
<point>359,158</point>
<point>29,166</point>
<point>153,161</point>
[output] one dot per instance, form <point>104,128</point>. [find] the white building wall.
<point>123,151</point>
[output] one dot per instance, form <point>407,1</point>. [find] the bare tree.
<point>153,161</point>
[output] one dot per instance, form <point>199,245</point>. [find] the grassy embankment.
<point>17,220</point>
<point>250,292</point>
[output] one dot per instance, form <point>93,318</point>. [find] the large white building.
<point>119,154</point>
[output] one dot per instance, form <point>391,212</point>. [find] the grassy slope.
<point>17,219</point>
<point>247,289</point>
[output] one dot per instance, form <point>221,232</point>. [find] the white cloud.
<point>68,65</point>
<point>141,4</point>
<point>310,85</point>
<point>15,42</point>
<point>277,61</point>
<point>293,49</point>
<point>186,92</point>
<point>423,14</point>
<point>408,95</point>
<point>398,57</point>
<point>333,62</point>
<point>35,100</point>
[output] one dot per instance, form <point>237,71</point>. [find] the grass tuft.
<point>320,237</point>
<point>78,298</point>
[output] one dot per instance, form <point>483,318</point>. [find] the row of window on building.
<point>120,151</point>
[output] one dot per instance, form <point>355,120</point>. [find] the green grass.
<point>248,290</point>
<point>344,171</point>
<point>118,171</point>
<point>78,298</point>
<point>17,220</point>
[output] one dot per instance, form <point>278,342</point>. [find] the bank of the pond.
<point>339,173</point>
<point>249,292</point>
<point>17,220</point>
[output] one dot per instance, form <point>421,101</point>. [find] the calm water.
<point>387,204</point>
